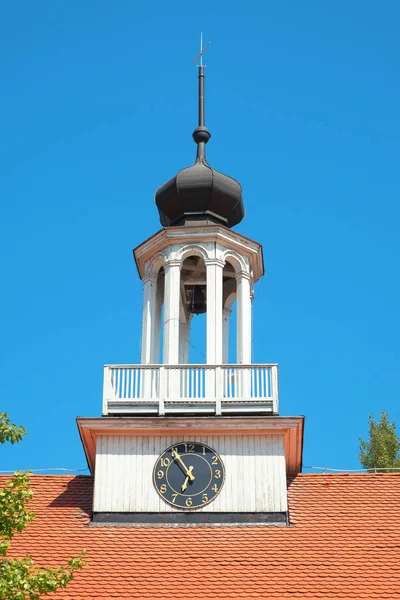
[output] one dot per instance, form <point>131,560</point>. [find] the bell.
<point>197,304</point>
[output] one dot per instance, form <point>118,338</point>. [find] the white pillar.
<point>155,350</point>
<point>214,269</point>
<point>149,317</point>
<point>226,313</point>
<point>243,340</point>
<point>171,312</point>
<point>184,338</point>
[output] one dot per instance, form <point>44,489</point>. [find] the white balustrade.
<point>215,389</point>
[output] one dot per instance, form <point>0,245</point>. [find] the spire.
<point>200,195</point>
<point>201,135</point>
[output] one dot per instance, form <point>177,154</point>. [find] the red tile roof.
<point>343,542</point>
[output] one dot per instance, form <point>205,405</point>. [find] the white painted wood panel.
<point>255,473</point>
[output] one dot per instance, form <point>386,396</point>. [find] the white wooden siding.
<point>255,473</point>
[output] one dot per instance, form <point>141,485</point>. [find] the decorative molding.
<point>214,262</point>
<point>227,239</point>
<point>172,262</point>
<point>191,250</point>
<point>150,266</point>
<point>151,277</point>
<point>236,261</point>
<point>243,275</point>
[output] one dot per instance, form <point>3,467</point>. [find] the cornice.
<point>290,427</point>
<point>194,235</point>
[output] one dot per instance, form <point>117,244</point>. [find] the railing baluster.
<point>156,375</point>
<point>123,383</point>
<point>117,383</point>
<point>268,376</point>
<point>162,393</point>
<point>274,385</point>
<point>136,383</point>
<point>131,384</point>
<point>218,390</point>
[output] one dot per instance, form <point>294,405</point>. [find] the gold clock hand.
<point>187,471</point>
<point>184,485</point>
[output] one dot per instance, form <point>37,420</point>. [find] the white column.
<point>184,338</point>
<point>155,350</point>
<point>149,317</point>
<point>226,313</point>
<point>171,312</point>
<point>243,340</point>
<point>214,268</point>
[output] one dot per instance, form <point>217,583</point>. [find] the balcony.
<point>190,389</point>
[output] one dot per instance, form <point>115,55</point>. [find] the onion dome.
<point>200,195</point>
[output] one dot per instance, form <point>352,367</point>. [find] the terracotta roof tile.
<point>343,542</point>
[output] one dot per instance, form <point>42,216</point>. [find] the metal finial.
<point>201,135</point>
<point>202,50</point>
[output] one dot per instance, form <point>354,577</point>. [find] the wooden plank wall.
<point>255,473</point>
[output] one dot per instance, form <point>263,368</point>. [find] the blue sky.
<point>98,107</point>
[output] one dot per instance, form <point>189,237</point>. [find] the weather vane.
<point>202,50</point>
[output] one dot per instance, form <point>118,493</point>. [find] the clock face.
<point>188,475</point>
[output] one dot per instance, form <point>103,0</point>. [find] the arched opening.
<point>229,294</point>
<point>193,307</point>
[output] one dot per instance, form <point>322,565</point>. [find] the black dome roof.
<point>200,194</point>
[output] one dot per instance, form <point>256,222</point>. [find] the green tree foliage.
<point>19,578</point>
<point>381,451</point>
<point>10,432</point>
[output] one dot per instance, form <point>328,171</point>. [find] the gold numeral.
<point>204,498</point>
<point>174,498</point>
<point>189,448</point>
<point>204,450</point>
<point>214,460</point>
<point>165,462</point>
<point>189,502</point>
<point>174,450</point>
<point>217,474</point>
<point>163,488</point>
<point>215,488</point>
<point>160,474</point>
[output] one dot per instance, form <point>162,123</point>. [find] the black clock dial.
<point>188,475</point>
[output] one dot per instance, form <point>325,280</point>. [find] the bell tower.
<point>197,264</point>
<point>194,443</point>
